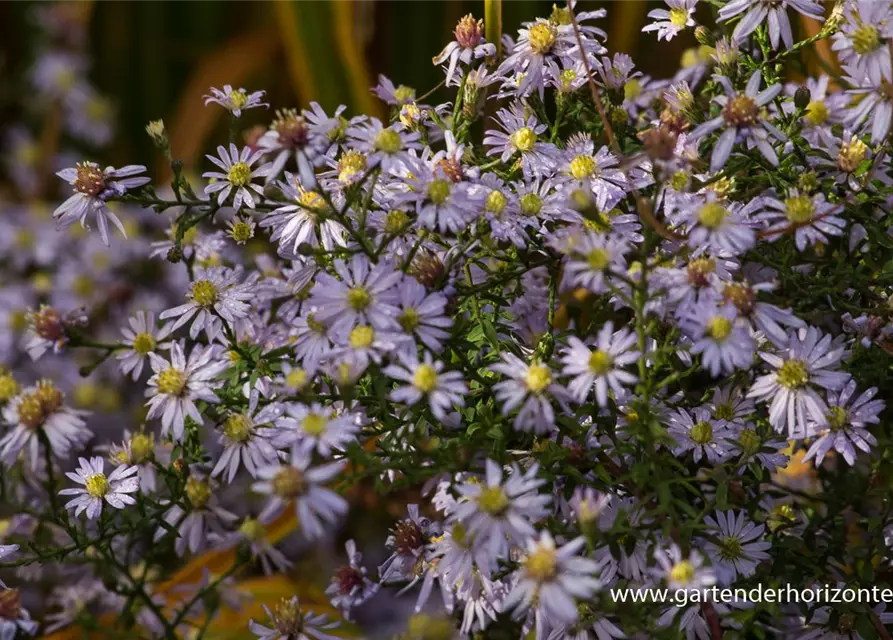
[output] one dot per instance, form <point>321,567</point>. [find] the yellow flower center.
<point>239,174</point>
<point>837,418</point>
<point>495,202</point>
<point>817,112</point>
<point>541,565</point>
<point>358,298</point>
<point>350,164</point>
<point>142,447</point>
<point>523,139</point>
<point>493,500</point>
<point>600,362</point>
<point>538,378</point>
<point>238,427</point>
<point>396,221</point>
<point>702,433</point>
<point>144,343</point>
<point>97,485</point>
<point>204,293</point>
<point>289,483</point>
<point>682,572</point>
<point>712,215</point>
<point>388,141</point>
<point>238,98</point>
<point>296,379</point>
<point>315,424</point>
<point>632,89</point>
<point>598,259</point>
<point>567,77</point>
<point>404,93</point>
<point>678,17</point>
<point>793,374</point>
<point>851,155</point>
<point>409,319</point>
<point>866,39</point>
<point>723,411</point>
<point>242,231</point>
<point>30,411</point>
<point>172,382</point>
<point>8,387</point>
<point>361,337</point>
<point>253,529</point>
<point>198,491</point>
<point>799,209</point>
<point>719,328</point>
<point>531,204</point>
<point>582,166</point>
<point>541,37</point>
<point>425,378</point>
<point>438,191</point>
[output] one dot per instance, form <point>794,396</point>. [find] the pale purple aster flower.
<point>203,521</point>
<point>862,41</point>
<point>459,556</point>
<point>216,296</point>
<point>246,441</point>
<point>421,315</point>
<point>594,256</point>
<point>741,117</point>
<point>772,12</point>
<point>469,44</point>
<point>670,23</point>
<point>872,105</point>
<point>252,534</point>
<point>140,450</point>
<point>536,42</point>
<point>311,340</point>
<point>724,344</point>
<point>384,147</point>
<point>92,187</point>
<point>177,384</point>
<point>115,489</point>
<point>823,110</point>
<point>520,135</point>
<point>295,481</point>
<point>598,171</point>
<point>773,321</point>
<point>845,430</point>
<point>19,621</point>
<point>290,134</point>
<point>362,295</point>
<point>235,100</point>
<point>41,408</point>
<point>552,580</point>
<point>409,540</point>
<point>681,572</point>
<point>350,586</point>
<point>731,405</point>
<point>745,441</point>
<point>363,345</point>
<point>736,546</point>
<point>313,428</point>
<point>443,389</point>
<point>846,157</point>
<point>307,220</point>
<point>700,433</point>
<point>332,127</point>
<point>807,362</point>
<point>812,218</point>
<point>237,175</point>
<point>601,367</point>
<point>532,387</point>
<point>143,337</point>
<point>501,208</point>
<point>393,95</point>
<point>289,622</point>
<point>440,202</point>
<point>539,202</point>
<point>720,225</point>
<point>497,511</point>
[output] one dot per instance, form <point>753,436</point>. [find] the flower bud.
<point>801,97</point>
<point>158,133</point>
<point>703,36</point>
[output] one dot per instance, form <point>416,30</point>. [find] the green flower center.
<point>837,418</point>
<point>409,319</point>
<point>315,424</point>
<point>730,548</point>
<point>493,500</point>
<point>750,442</point>
<point>289,483</point>
<point>425,378</point>
<point>793,374</point>
<point>600,362</point>
<point>144,343</point>
<point>723,411</point>
<point>395,222</point>
<point>712,215</point>
<point>495,202</point>
<point>598,259</point>
<point>678,17</point>
<point>198,491</point>
<point>438,191</point>
<point>358,298</point>
<point>632,89</point>
<point>538,378</point>
<point>702,433</point>
<point>719,328</point>
<point>531,204</point>
<point>388,141</point>
<point>204,293</point>
<point>404,93</point>
<point>296,379</point>
<point>582,166</point>
<point>238,427</point>
<point>239,174</point>
<point>361,337</point>
<point>799,209</point>
<point>523,139</point>
<point>252,529</point>
<point>172,382</point>
<point>866,39</point>
<point>242,231</point>
<point>97,485</point>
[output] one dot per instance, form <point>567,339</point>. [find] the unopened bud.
<point>703,36</point>
<point>802,97</point>
<point>158,133</point>
<point>175,255</point>
<point>180,466</point>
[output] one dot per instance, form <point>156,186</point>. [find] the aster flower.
<point>409,540</point>
<point>871,104</point>
<point>773,12</point>
<point>680,572</point>
<point>290,134</point>
<point>178,383</point>
<point>601,367</point>
<point>670,23</point>
<point>41,408</point>
<point>420,314</point>
<point>823,109</point>
<point>316,428</point>
<point>290,623</point>
<point>305,221</point>
<point>846,423</point>
<point>747,443</point>
<point>361,296</point>
<point>240,229</point>
<point>592,259</point>
<point>93,187</point>
<point>498,511</point>
<point>721,226</point>
<point>773,321</point>
<point>143,337</point>
<point>444,390</point>
<point>47,329</point>
<point>202,522</point>
<point>235,100</point>
<point>532,387</point>
<point>295,481</point>
<point>393,95</point>
<point>724,344</point>
<point>812,217</point>
<point>469,44</point>
<point>14,618</point>
<point>736,545</point>
<point>699,433</point>
<point>217,296</point>
<point>311,340</point>
<point>552,579</point>
<point>350,587</point>
<point>863,39</point>
<point>597,171</point>
<point>252,534</point>
<point>846,156</point>
<point>140,450</point>
<point>520,134</point>
<point>806,363</point>
<point>246,441</point>
<point>115,489</point>
<point>741,117</point>
<point>384,147</point>
<point>237,175</point>
<point>440,203</point>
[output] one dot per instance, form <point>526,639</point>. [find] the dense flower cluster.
<point>613,331</point>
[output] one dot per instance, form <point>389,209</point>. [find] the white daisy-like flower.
<point>217,295</point>
<point>114,489</point>
<point>290,623</point>
<point>806,363</point>
<point>812,218</point>
<point>699,433</point>
<point>863,39</point>
<point>847,421</point>
<point>724,344</point>
<point>237,175</point>
<point>593,257</point>
<point>601,367</point>
<point>310,428</point>
<point>143,337</point>
<point>771,12</point>
<point>736,546</point>
<point>532,387</point>
<point>670,23</point>
<point>721,226</point>
<point>246,441</point>
<point>235,100</point>
<point>681,572</point>
<point>178,383</point>
<point>93,187</point>
<point>305,221</point>
<point>427,379</point>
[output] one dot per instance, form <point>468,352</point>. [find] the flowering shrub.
<point>617,331</point>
